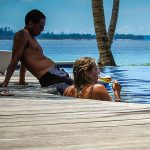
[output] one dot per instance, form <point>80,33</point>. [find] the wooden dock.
<point>33,119</point>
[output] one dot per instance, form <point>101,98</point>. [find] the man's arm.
<point>22,75</point>
<point>20,42</point>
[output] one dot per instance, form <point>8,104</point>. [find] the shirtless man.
<point>27,50</point>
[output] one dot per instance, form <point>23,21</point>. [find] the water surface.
<point>131,57</point>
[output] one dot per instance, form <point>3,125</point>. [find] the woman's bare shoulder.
<point>100,92</point>
<point>69,90</point>
<point>98,87</point>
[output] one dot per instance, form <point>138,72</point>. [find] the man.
<point>27,50</point>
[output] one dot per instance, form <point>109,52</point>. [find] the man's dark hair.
<point>35,16</point>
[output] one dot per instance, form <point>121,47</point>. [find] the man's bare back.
<point>27,50</point>
<point>33,58</point>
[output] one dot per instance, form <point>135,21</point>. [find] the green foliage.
<point>129,36</point>
<point>62,36</point>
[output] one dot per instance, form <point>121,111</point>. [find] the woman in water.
<point>85,85</point>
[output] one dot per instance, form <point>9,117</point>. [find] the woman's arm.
<point>100,93</point>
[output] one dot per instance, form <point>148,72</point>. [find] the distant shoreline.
<point>7,34</point>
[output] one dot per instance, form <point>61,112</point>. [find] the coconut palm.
<point>104,39</point>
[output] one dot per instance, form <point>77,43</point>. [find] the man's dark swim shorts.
<point>56,77</point>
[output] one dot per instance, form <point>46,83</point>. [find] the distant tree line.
<point>7,34</point>
<point>129,36</point>
<point>62,36</point>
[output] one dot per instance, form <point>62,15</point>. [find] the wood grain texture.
<point>33,119</point>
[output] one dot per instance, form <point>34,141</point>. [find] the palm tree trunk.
<point>113,22</point>
<point>103,41</point>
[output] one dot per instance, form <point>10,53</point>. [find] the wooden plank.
<point>33,119</point>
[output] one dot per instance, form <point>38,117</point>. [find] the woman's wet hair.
<point>81,69</point>
<point>35,16</point>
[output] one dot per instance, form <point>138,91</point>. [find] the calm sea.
<point>131,56</point>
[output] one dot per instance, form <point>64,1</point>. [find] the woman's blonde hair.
<point>81,69</point>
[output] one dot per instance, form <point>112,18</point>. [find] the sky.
<point>75,16</point>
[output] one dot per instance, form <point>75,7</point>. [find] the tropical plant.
<point>104,39</point>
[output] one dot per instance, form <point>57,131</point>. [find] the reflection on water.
<point>135,81</point>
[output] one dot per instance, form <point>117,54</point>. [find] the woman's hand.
<point>116,86</point>
<point>117,89</point>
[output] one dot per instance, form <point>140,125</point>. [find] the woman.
<point>85,85</point>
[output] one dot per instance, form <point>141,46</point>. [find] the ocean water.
<point>132,58</point>
<point>135,82</point>
<point>125,52</point>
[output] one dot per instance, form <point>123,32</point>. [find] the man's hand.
<point>21,83</point>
